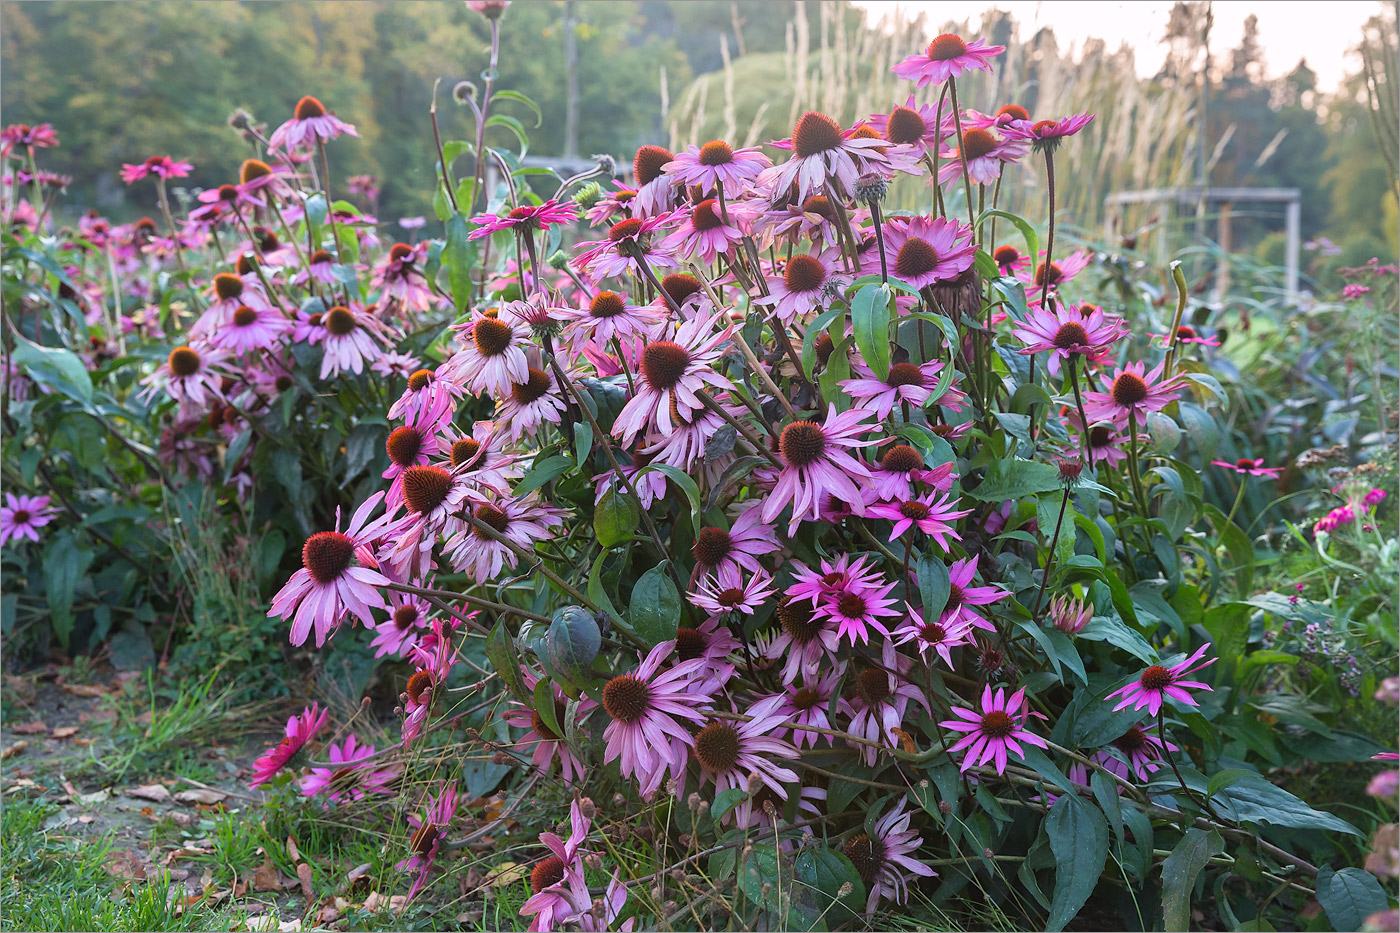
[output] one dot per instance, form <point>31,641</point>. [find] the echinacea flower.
<point>1070,615</point>
<point>730,589</point>
<point>717,163</point>
<point>1247,467</point>
<point>883,856</point>
<point>311,123</point>
<point>480,457</point>
<point>880,698</point>
<point>23,516</point>
<point>191,377</point>
<point>530,403</point>
<point>353,778</point>
<point>962,595</point>
<point>558,891</point>
<point>900,466</point>
<point>434,657</point>
<point>1143,749</point>
<point>401,281</point>
<point>998,729</point>
<point>807,284</point>
<point>806,638</point>
<point>408,618</point>
<point>161,166</point>
<point>729,751</point>
<point>251,328</point>
<point>629,244</point>
<point>816,459</point>
<point>707,230</point>
<point>1009,260</point>
<point>338,577</point>
<point>713,643</point>
<point>748,539</point>
<point>608,317</point>
<point>673,373</point>
<point>352,339</point>
<point>920,252</point>
<point>1064,333</point>
<point>428,400</point>
<point>910,123</point>
<point>520,520</point>
<point>942,635</point>
<point>428,832</point>
<point>947,56</point>
<point>408,446</point>
<point>645,707</point>
<point>492,354</point>
<point>906,383</point>
<point>300,729</point>
<point>823,158</point>
<point>1058,272</point>
<point>525,219</point>
<point>983,153</point>
<point>1132,392</point>
<point>39,136</point>
<point>656,190</point>
<point>806,705</point>
<point>1158,683</point>
<point>931,513</point>
<point>1188,335</point>
<point>1047,134</point>
<point>547,743</point>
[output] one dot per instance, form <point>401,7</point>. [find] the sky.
<point>1323,33</point>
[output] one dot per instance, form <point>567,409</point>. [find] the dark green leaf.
<point>870,320</point>
<point>934,585</point>
<point>1079,840</point>
<point>57,368</point>
<point>1255,800</point>
<point>727,800</point>
<point>1179,873</point>
<point>1015,479</point>
<point>1350,896</point>
<point>543,472</point>
<point>64,565</point>
<point>655,611</point>
<point>819,875</point>
<point>500,651</point>
<point>615,519</point>
<point>543,704</point>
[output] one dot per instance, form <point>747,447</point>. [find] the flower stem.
<point>1083,419</point>
<point>1050,558</point>
<point>1134,471</point>
<point>1239,497</point>
<point>957,126</point>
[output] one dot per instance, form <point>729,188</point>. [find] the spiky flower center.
<point>806,698</point>
<point>1128,390</point>
<point>901,458</point>
<point>1006,255</point>
<point>538,724</point>
<point>532,389</point>
<point>804,274</point>
<point>915,258</point>
<point>706,216</point>
<point>495,519</point>
<point>463,450</point>
<point>420,380</point>
<point>873,685</point>
<point>624,229</point>
<point>946,47</point>
<point>955,597</point>
<point>549,872</point>
<point>1134,740</point>
<point>326,556</point>
<point>1100,436</point>
<point>814,134</point>
<point>1014,111</point>
<point>340,321</point>
<point>731,597</point>
<point>491,336</point>
<point>1156,677</point>
<point>245,264</point>
<point>824,346</point>
<point>649,163</point>
<point>626,698</point>
<point>905,126</point>
<point>933,633</point>
<point>1185,333</point>
<point>717,747</point>
<point>802,443</point>
<point>690,643</point>
<point>606,305</point>
<point>1244,463</point>
<point>867,855</point>
<point>716,152</point>
<point>244,316</point>
<point>425,487</point>
<point>21,516</point>
<point>321,256</point>
<point>183,361</point>
<point>663,364</point>
<point>1047,276</point>
<point>308,108</point>
<point>977,143</point>
<point>228,192</point>
<point>819,205</point>
<point>904,374</point>
<point>227,286</point>
<point>283,382</point>
<point>680,286</point>
<point>404,445</point>
<point>914,510</point>
<point>423,839</point>
<point>997,724</point>
<point>405,616</point>
<point>419,687</point>
<point>712,545</point>
<point>253,168</point>
<point>798,620</point>
<point>1070,335</point>
<point>400,252</point>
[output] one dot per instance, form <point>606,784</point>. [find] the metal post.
<point>1293,218</point>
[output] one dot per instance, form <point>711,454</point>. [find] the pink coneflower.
<point>320,267</point>
<point>910,123</point>
<point>520,520</point>
<point>525,219</point>
<point>856,602</point>
<point>947,56</point>
<point>807,705</point>
<point>1009,260</point>
<point>23,516</point>
<point>547,743</point>
<point>401,281</point>
<point>731,751</point>
<point>230,292</point>
<point>300,730</point>
<point>619,254</point>
<point>191,377</point>
<point>962,595</point>
<point>395,365</point>
<point>337,578</point>
<point>492,355</point>
<point>712,643</point>
<point>408,618</point>
<point>41,136</point>
<point>1188,335</point>
<point>480,457</point>
<point>878,700</point>
<point>906,383</point>
<point>645,706</point>
<point>899,467</point>
<point>531,403</point>
<point>491,9</point>
<point>428,400</point>
<point>717,163</point>
<point>998,729</point>
<point>942,636</point>
<point>558,891</point>
<point>311,122</point>
<point>649,485</point>
<point>1070,615</point>
<point>806,639</point>
<point>816,459</point>
<point>353,779</point>
<point>1065,333</point>
<point>408,446</point>
<point>608,317</point>
<point>656,191</point>
<point>1132,392</point>
<point>1011,116</point>
<point>704,233</point>
<point>884,855</point>
<point>921,252</point>
<point>822,156</point>
<point>1047,134</point>
<point>259,181</point>
<point>1059,272</point>
<point>351,340</point>
<point>1158,683</point>
<point>748,539</point>
<point>251,328</point>
<point>984,153</point>
<point>673,373</point>
<point>807,284</point>
<point>431,496</point>
<point>610,205</point>
<point>1143,749</point>
<point>931,513</point>
<point>814,219</point>
<point>223,201</point>
<point>730,590</point>
<point>428,831</point>
<point>1247,467</point>
<point>160,166</point>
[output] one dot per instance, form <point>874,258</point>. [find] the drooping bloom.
<point>900,466</point>
<point>525,219</point>
<point>645,706</point>
<point>947,56</point>
<point>729,751</point>
<point>299,731</point>
<point>806,638</point>
<point>704,232</point>
<point>531,403</point>
<point>311,122</point>
<point>932,513</point>
<point>400,280</point>
<point>160,166</point>
<point>1143,749</point>
<point>673,373</point>
<point>1065,333</point>
<point>547,743</point>
<point>806,705</point>
<point>1247,467</point>
<point>1156,684</point>
<point>1057,273</point>
<point>880,698</point>
<point>883,856</point>
<point>962,595</point>
<point>428,400</point>
<point>629,243</point>
<point>910,123</point>
<point>434,657</point>
<point>428,831</point>
<point>1132,391</point>
<point>338,577</point>
<point>408,618</point>
<point>906,383</point>
<point>22,517</point>
<point>520,520</point>
<point>713,643</point>
<point>717,163</point>
<point>191,377</point>
<point>492,354</point>
<point>608,317</point>
<point>748,539</point>
<point>921,252</point>
<point>983,153</point>
<point>942,636</point>
<point>1047,134</point>
<point>730,589</point>
<point>1185,334</point>
<point>822,155</point>
<point>352,339</point>
<point>354,776</point>
<point>251,328</point>
<point>998,729</point>
<point>807,284</point>
<point>558,891</point>
<point>40,136</point>
<point>816,459</point>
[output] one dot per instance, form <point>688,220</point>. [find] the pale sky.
<point>1322,32</point>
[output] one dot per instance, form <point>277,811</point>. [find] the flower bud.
<point>1069,615</point>
<point>871,188</point>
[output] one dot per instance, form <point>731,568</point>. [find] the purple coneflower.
<point>428,400</point>
<point>400,280</point>
<point>920,252</point>
<point>629,243</point>
<point>23,516</point>
<point>558,891</point>
<point>251,328</point>
<point>656,190</point>
<point>1070,615</point>
<point>879,698</point>
<point>883,856</point>
<point>1059,272</point>
<point>899,467</point>
<point>547,743</point>
<point>160,166</point>
<point>717,163</point>
<point>352,339</point>
<point>906,382</point>
<point>530,403</point>
<point>673,373</point>
<point>644,706</point>
<point>1187,334</point>
<point>730,590</point>
<point>931,513</point>
<point>353,778</point>
<point>705,233</point>
<point>1247,467</point>
<point>480,458</point>
<point>311,122</point>
<point>191,377</point>
<point>299,731</point>
<point>1143,749</point>
<point>806,638</point>
<point>428,831</point>
<point>408,617</point>
<point>748,539</point>
<point>525,219</point>
<point>1000,727</point>
<point>984,153</point>
<point>730,751</point>
<point>1065,333</point>
<point>608,317</point>
<point>1158,683</point>
<point>492,355</point>
<point>816,459</point>
<point>824,158</point>
<point>1047,134</point>
<point>910,123</point>
<point>807,284</point>
<point>947,56</point>
<point>521,520</point>
<point>1132,393</point>
<point>807,705</point>
<point>942,636</point>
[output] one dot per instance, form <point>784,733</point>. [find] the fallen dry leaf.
<point>906,740</point>
<point>240,888</point>
<point>83,690</point>
<point>12,750</point>
<point>506,873</point>
<point>86,818</point>
<point>84,742</point>
<point>94,798</point>
<point>150,813</point>
<point>200,795</point>
<point>157,793</point>
<point>20,688</point>
<point>126,865</point>
<point>376,901</point>
<point>97,715</point>
<point>289,926</point>
<point>328,914</point>
<point>69,789</point>
<point>267,877</point>
<point>292,849</point>
<point>304,877</point>
<point>65,732</point>
<point>358,878</point>
<point>186,852</point>
<point>36,727</point>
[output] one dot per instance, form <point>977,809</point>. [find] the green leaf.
<point>597,593</point>
<point>1079,840</point>
<point>1103,628</point>
<point>500,651</point>
<point>655,611</point>
<point>64,565</point>
<point>762,868</point>
<point>543,472</point>
<point>543,704</point>
<point>583,442</point>
<point>361,445</point>
<point>1228,625</point>
<point>516,95</point>
<point>820,325</point>
<point>1255,800</point>
<point>870,319</point>
<point>838,369</point>
<point>572,643</point>
<point>727,800</point>
<point>1223,779</point>
<point>681,479</point>
<point>514,125</point>
<point>615,519</point>
<point>934,585</point>
<point>1200,428</point>
<point>1350,896</point>
<point>1027,231</point>
<point>1179,873</point>
<point>54,367</point>
<point>819,874</point>
<point>1015,479</point>
<point>457,262</point>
